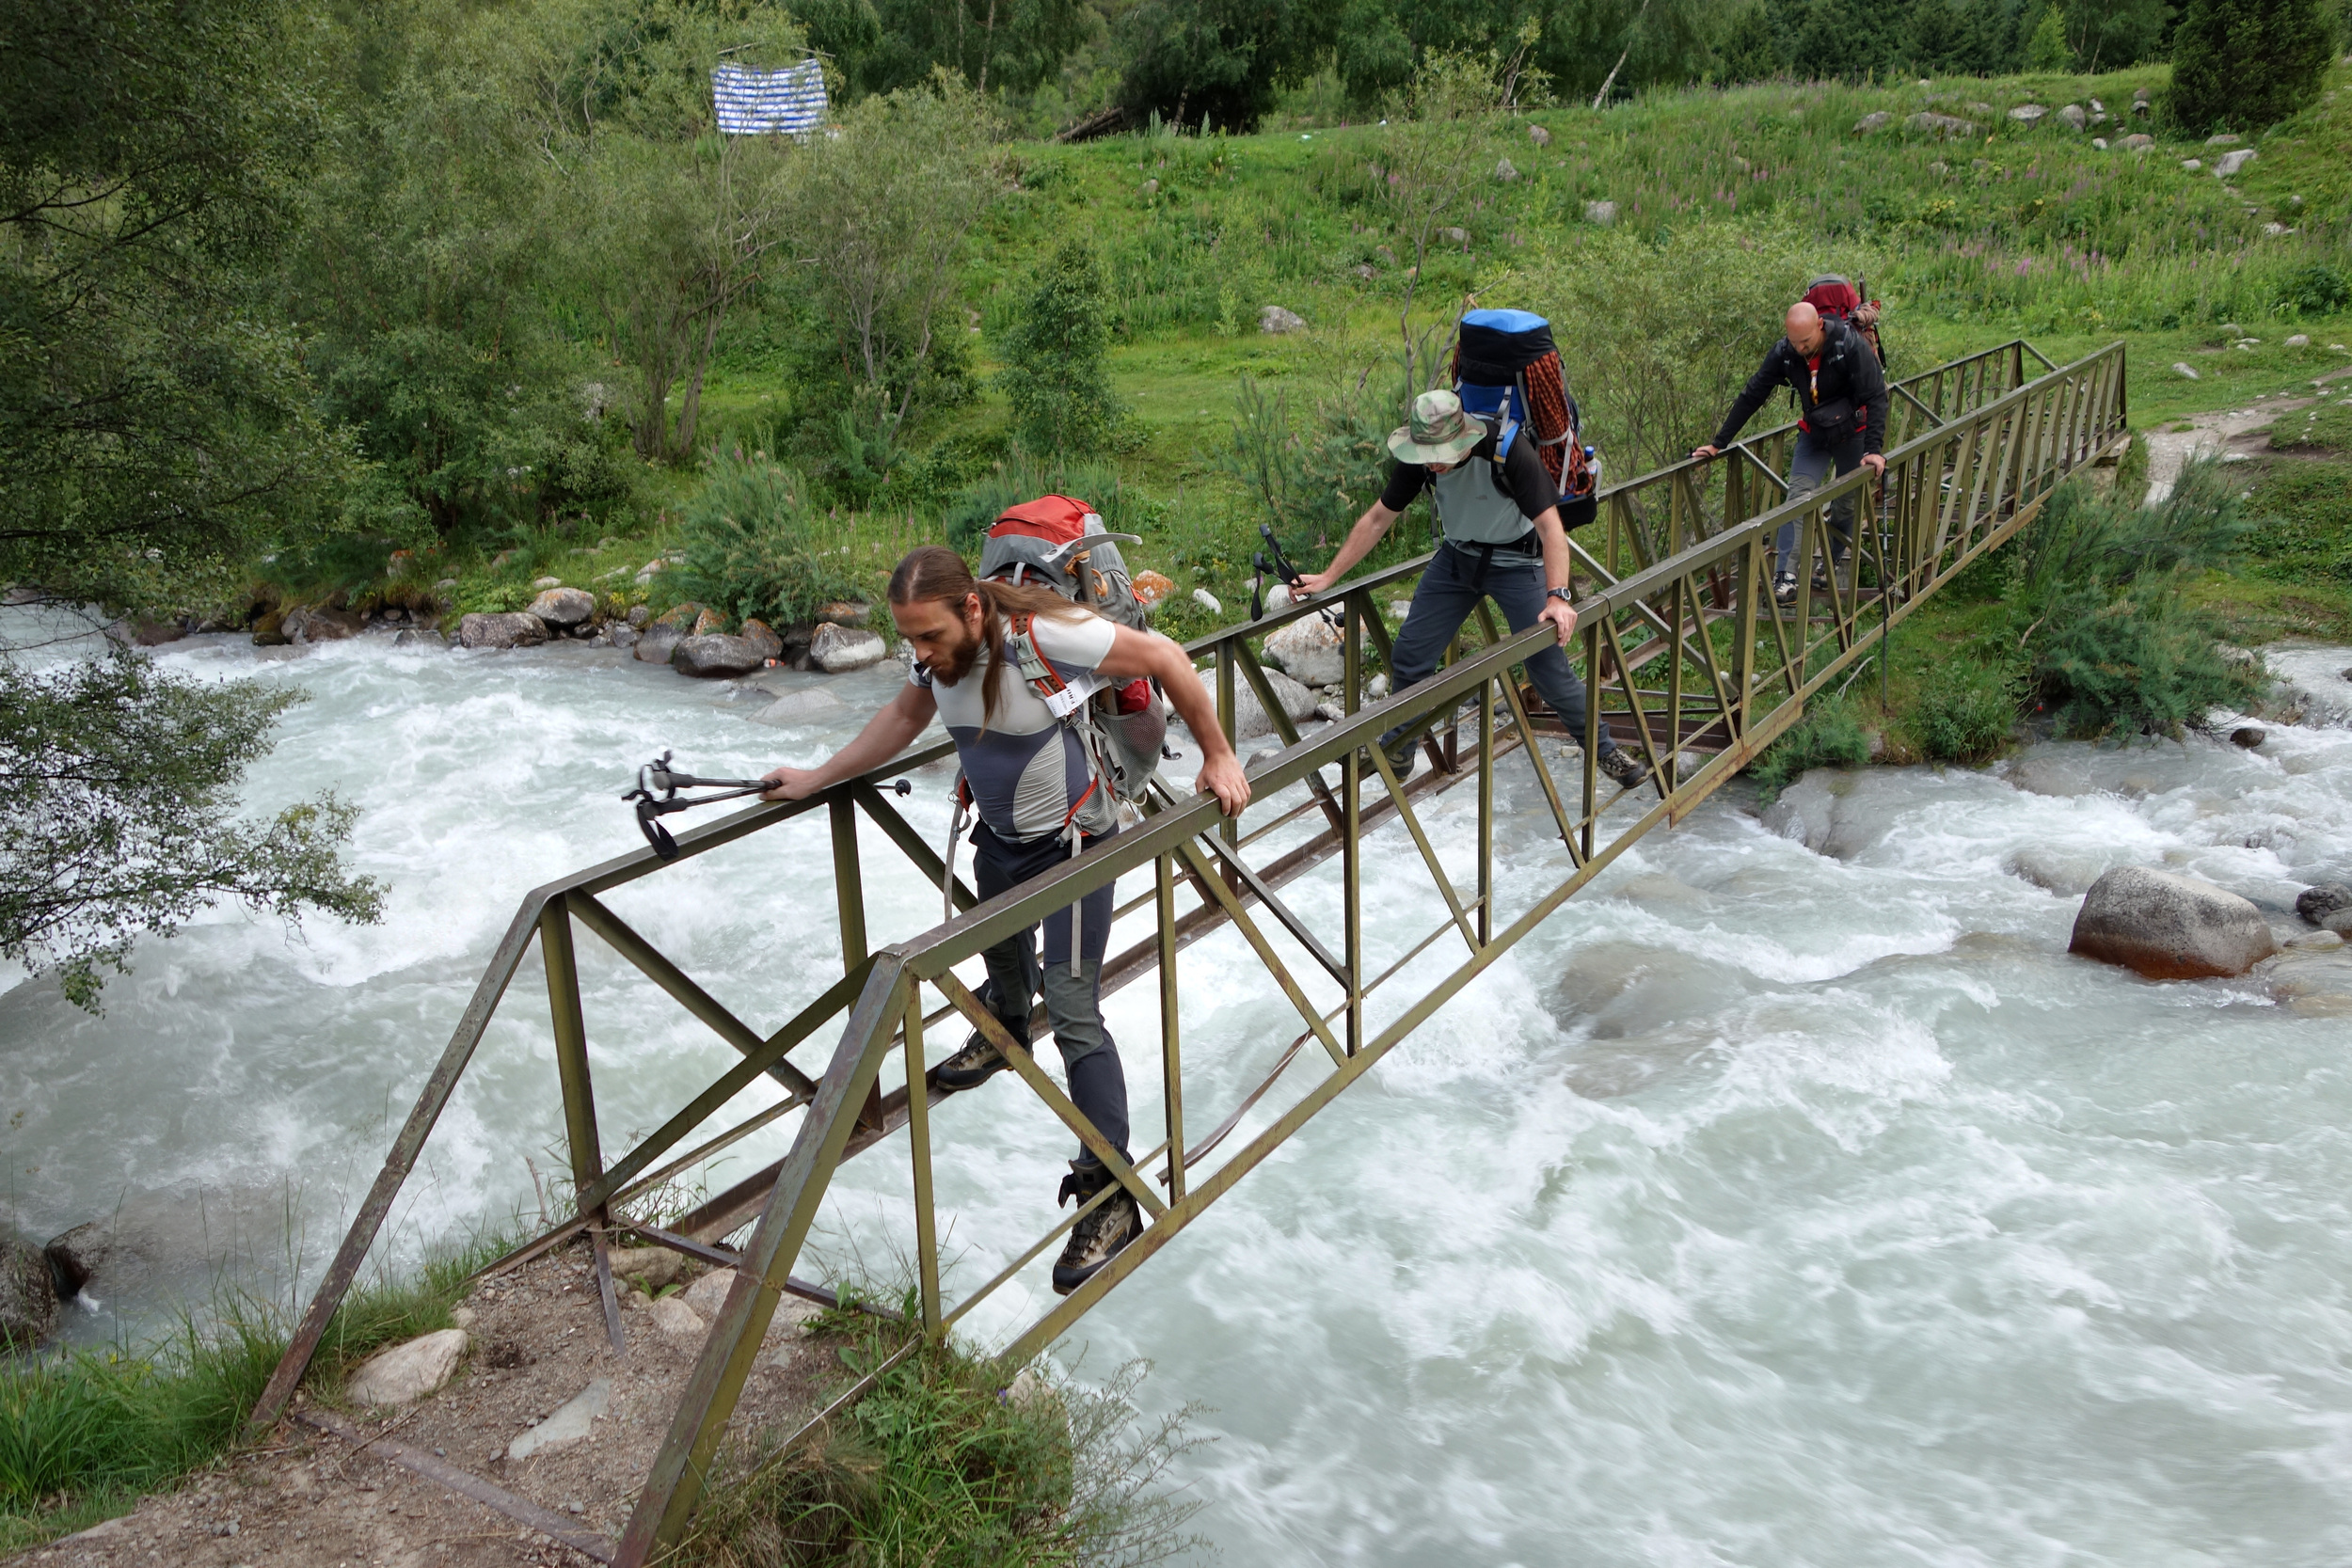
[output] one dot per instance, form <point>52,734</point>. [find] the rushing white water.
<point>1767,1206</point>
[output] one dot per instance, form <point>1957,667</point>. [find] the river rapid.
<point>1771,1205</point>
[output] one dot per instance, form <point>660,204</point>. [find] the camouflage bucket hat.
<point>1439,432</point>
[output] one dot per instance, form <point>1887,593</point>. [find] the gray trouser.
<point>1073,1003</point>
<point>1808,468</point>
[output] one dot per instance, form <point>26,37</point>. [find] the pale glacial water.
<point>1767,1206</point>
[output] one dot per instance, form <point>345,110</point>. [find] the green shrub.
<point>754,546</point>
<point>1057,376</point>
<point>2245,63</point>
<point>1965,711</point>
<point>940,1464</point>
<point>2112,646</point>
<point>1829,735</point>
<point>2317,290</point>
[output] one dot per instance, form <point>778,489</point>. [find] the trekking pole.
<point>657,796</point>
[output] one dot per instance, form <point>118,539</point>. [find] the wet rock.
<point>799,707</point>
<point>2339,923</point>
<point>406,1373</point>
<point>622,636</point>
<point>1310,651</point>
<point>710,654</point>
<point>651,1267</point>
<point>838,650</point>
<point>2229,163</point>
<point>28,1295</point>
<point>1277,319</point>
<point>1249,715</point>
<point>318,623</point>
<point>1601,213</point>
<point>762,635</point>
<point>516,629</point>
<point>2068,876</point>
<point>657,643</point>
<point>2168,927</point>
<point>638,614</point>
<point>2316,903</point>
<point>571,1423</point>
<point>1877,119</point>
<point>2247,736</point>
<point>1942,125</point>
<point>675,1319</point>
<point>564,607</point>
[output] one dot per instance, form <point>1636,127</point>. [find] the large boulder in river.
<point>564,607</point>
<point>318,623</point>
<point>1310,651</point>
<point>715,654</point>
<point>837,649</point>
<point>1250,716</point>
<point>657,643</point>
<point>29,1299</point>
<point>2170,928</point>
<point>515,629</point>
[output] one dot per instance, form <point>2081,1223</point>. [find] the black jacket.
<point>1849,369</point>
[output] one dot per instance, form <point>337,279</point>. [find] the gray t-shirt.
<point>1029,768</point>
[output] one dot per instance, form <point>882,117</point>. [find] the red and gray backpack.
<point>1059,542</point>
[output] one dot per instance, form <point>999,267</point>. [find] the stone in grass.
<point>1275,319</point>
<point>2138,141</point>
<point>570,1422</point>
<point>651,1267</point>
<point>547,582</point>
<point>837,649</point>
<point>518,629</point>
<point>406,1373</point>
<point>1877,119</point>
<point>1604,213</point>
<point>2072,114</point>
<point>1942,125</point>
<point>564,607</point>
<point>1540,136</point>
<point>2170,928</point>
<point>675,1319</point>
<point>2185,369</point>
<point>2029,114</point>
<point>2229,164</point>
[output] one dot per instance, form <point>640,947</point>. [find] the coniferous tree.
<point>1057,373</point>
<point>2047,50</point>
<point>2245,63</point>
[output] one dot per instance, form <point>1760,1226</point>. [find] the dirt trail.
<point>2225,432</point>
<point>307,1498</point>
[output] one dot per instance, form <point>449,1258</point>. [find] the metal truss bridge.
<point>1696,668</point>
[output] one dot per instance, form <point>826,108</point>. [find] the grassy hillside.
<point>1726,200</point>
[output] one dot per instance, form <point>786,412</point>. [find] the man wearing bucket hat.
<point>1503,541</point>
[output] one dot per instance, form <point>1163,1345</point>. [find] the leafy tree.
<point>2113,33</point>
<point>1057,373</point>
<point>880,214</point>
<point>1006,45</point>
<point>754,546</point>
<point>116,781</point>
<point>1440,144</point>
<point>1192,62</point>
<point>2247,64</point>
<point>2047,50</point>
<point>155,428</point>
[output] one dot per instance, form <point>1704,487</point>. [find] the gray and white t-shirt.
<point>1030,766</point>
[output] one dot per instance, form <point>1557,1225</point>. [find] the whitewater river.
<point>1769,1207</point>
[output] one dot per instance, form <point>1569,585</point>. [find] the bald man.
<point>1841,424</point>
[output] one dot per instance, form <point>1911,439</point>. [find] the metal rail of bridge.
<point>1682,644</point>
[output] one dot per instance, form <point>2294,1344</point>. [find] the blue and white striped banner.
<point>761,102</point>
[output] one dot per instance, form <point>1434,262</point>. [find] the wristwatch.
<point>1566,596</point>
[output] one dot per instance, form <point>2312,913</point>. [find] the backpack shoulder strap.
<point>1061,698</point>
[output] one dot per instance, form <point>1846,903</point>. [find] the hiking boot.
<point>1624,768</point>
<point>1785,588</point>
<point>979,1061</point>
<point>1402,755</point>
<point>1100,1236</point>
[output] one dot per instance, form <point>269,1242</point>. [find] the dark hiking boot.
<point>980,1061</point>
<point>1100,1236</point>
<point>1401,752</point>
<point>1624,768</point>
